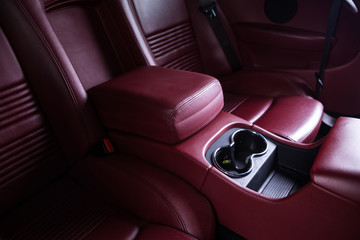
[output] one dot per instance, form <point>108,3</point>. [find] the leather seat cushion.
<point>68,211</point>
<point>296,118</point>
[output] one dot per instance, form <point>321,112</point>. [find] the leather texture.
<point>52,76</point>
<point>301,122</point>
<point>68,211</point>
<point>150,18</point>
<point>265,83</point>
<point>175,103</point>
<point>296,118</point>
<point>185,159</point>
<point>335,217</point>
<point>286,47</point>
<point>337,166</point>
<point>32,157</point>
<point>164,33</point>
<point>127,197</point>
<point>299,31</point>
<point>156,195</point>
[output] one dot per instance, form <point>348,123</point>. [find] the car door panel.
<point>263,45</point>
<point>296,45</point>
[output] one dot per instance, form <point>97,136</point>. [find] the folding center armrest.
<point>162,104</point>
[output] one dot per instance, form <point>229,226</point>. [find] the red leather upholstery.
<point>311,213</point>
<point>265,83</point>
<point>164,33</point>
<point>52,75</point>
<point>297,119</point>
<point>68,211</point>
<point>32,158</point>
<point>301,122</point>
<point>337,166</point>
<point>147,19</point>
<point>174,103</point>
<point>147,191</point>
<point>29,154</point>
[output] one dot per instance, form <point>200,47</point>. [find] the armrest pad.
<point>337,167</point>
<point>163,104</point>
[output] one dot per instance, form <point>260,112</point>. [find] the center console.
<point>261,164</point>
<point>260,185</point>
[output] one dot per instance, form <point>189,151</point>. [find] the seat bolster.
<point>152,193</point>
<point>265,83</point>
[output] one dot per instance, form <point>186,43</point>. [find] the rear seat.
<point>91,42</point>
<point>50,187</point>
<point>174,34</point>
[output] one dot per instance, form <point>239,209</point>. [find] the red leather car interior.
<point>175,103</point>
<point>38,191</point>
<point>74,72</point>
<point>190,28</point>
<point>343,175</point>
<point>253,31</point>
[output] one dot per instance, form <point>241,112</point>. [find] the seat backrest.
<point>30,156</point>
<point>166,33</point>
<point>175,34</point>
<point>90,37</point>
<point>71,51</point>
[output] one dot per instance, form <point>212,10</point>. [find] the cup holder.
<point>236,159</point>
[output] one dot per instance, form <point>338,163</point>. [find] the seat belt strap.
<point>208,8</point>
<point>332,20</point>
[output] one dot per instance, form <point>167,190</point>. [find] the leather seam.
<point>237,104</point>
<point>56,62</point>
<point>53,57</point>
<point>185,103</point>
<point>134,14</point>
<point>108,35</point>
<point>166,200</point>
<point>176,230</point>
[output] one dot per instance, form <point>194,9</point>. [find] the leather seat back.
<point>30,156</point>
<point>53,78</point>
<point>175,34</point>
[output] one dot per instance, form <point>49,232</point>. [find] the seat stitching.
<point>167,201</point>
<point>57,63</point>
<point>185,103</point>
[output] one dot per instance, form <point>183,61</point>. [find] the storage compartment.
<point>260,164</point>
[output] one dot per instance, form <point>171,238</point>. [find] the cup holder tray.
<point>258,163</point>
<point>244,155</point>
<point>236,159</point>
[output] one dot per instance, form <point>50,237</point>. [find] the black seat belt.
<point>333,16</point>
<point>208,8</point>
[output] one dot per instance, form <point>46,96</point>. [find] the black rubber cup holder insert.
<point>236,159</point>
